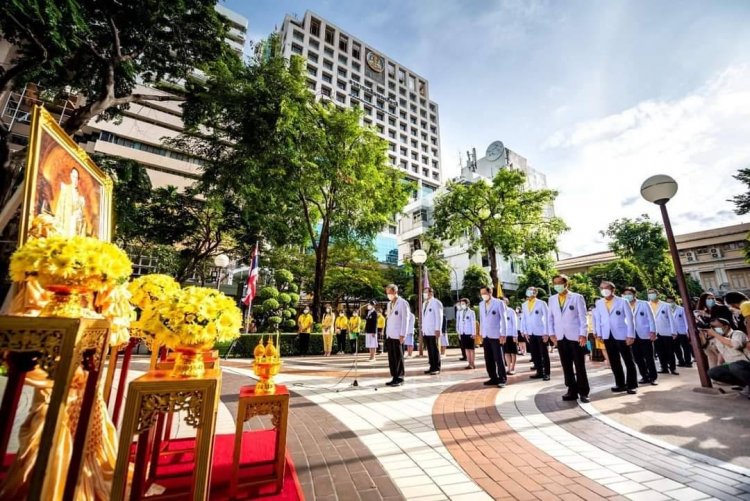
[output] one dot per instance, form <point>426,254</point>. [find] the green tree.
<point>498,217</point>
<point>622,272</point>
<point>742,201</point>
<point>353,273</point>
<point>537,271</point>
<point>642,241</point>
<point>103,50</point>
<point>474,277</point>
<point>581,283</point>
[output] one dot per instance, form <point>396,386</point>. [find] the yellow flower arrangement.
<point>194,316</point>
<point>84,262</point>
<point>149,289</point>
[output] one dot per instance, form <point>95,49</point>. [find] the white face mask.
<point>328,310</point>
<point>652,296</point>
<point>370,308</point>
<point>462,306</point>
<point>559,288</point>
<point>425,295</point>
<point>307,311</point>
<point>391,296</point>
<point>719,330</point>
<point>628,297</point>
<point>606,292</point>
<point>486,297</point>
<point>529,293</point>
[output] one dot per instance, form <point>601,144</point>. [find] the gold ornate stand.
<point>58,346</point>
<point>155,394</point>
<point>252,404</point>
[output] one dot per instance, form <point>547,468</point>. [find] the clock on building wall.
<point>495,151</point>
<point>375,62</point>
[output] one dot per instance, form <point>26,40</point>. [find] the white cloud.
<point>701,140</point>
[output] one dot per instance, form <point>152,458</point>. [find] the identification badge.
<point>642,314</point>
<point>571,308</point>
<point>493,312</point>
<point>618,312</point>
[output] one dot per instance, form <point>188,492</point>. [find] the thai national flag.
<point>252,278</point>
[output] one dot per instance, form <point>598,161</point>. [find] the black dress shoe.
<point>391,383</point>
<point>434,373</point>
<point>532,368</point>
<point>654,383</point>
<point>618,389</point>
<point>501,385</point>
<point>644,381</point>
<point>664,371</point>
<point>675,373</point>
<point>569,398</point>
<point>536,376</point>
<point>427,371</point>
<point>632,391</point>
<point>491,382</point>
<point>585,399</point>
<point>398,383</point>
<point>463,359</point>
<point>546,377</point>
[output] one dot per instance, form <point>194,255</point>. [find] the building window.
<point>391,121</point>
<point>392,147</point>
<point>312,56</point>
<point>327,64</point>
<point>341,84</point>
<point>314,44</point>
<point>311,84</point>
<point>403,151</point>
<point>381,129</point>
<point>343,43</point>
<point>402,137</point>
<point>341,98</point>
<point>325,91</point>
<point>404,164</point>
<point>433,119</point>
<point>413,120</point>
<point>312,70</point>
<point>401,77</point>
<point>392,133</point>
<point>380,115</point>
<point>414,168</point>
<point>315,27</point>
<point>414,155</point>
<point>297,35</point>
<point>356,65</point>
<point>330,35</point>
<point>342,72</point>
<point>356,50</point>
<point>343,60</point>
<point>435,176</point>
<point>297,49</point>
<point>328,51</point>
<point>391,70</point>
<point>368,110</point>
<point>327,78</point>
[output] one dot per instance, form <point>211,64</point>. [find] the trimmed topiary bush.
<point>270,304</point>
<point>285,314</point>
<point>268,292</point>
<point>283,276</point>
<point>289,324</point>
<point>292,287</point>
<point>284,298</point>
<point>294,298</point>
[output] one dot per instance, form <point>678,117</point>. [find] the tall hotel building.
<point>396,101</point>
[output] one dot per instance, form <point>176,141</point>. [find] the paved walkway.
<point>450,437</point>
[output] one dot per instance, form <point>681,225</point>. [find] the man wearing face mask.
<point>396,325</point>
<point>466,328</point>
<point>304,328</point>
<point>567,327</point>
<point>494,328</point>
<point>665,332</point>
<point>645,334</point>
<point>432,322</point>
<point>614,324</point>
<point>534,316</point>
<point>682,349</point>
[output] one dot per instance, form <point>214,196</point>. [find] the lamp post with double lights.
<point>419,257</point>
<point>659,190</point>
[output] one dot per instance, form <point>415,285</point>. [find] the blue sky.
<point>599,95</point>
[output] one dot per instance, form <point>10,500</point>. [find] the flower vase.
<point>190,361</point>
<point>66,302</point>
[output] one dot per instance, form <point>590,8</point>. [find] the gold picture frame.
<point>63,184</point>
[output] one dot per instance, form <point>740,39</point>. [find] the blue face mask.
<point>710,303</point>
<point>627,297</point>
<point>529,293</point>
<point>558,288</point>
<point>652,296</point>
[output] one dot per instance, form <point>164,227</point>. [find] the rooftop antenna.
<point>460,160</point>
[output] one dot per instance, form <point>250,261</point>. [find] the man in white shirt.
<point>645,334</point>
<point>534,315</point>
<point>396,326</point>
<point>567,327</point>
<point>614,325</point>
<point>493,326</point>
<point>466,329</point>
<point>682,349</point>
<point>665,332</point>
<point>432,323</point>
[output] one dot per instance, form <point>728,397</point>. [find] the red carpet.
<point>175,470</point>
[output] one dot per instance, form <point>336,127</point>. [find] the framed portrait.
<point>63,186</point>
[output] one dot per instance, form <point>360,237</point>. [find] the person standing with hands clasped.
<point>534,317</point>
<point>493,326</point>
<point>466,328</point>
<point>328,324</point>
<point>304,328</point>
<point>614,324</point>
<point>665,332</point>
<point>432,322</point>
<point>396,321</point>
<point>567,328</point>
<point>371,329</point>
<point>645,334</point>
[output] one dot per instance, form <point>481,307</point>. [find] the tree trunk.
<point>321,262</point>
<point>492,256</point>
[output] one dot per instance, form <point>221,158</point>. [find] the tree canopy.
<point>499,216</point>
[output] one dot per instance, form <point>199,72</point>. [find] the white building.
<point>395,99</point>
<point>417,217</point>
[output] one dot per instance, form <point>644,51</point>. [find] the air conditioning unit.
<point>715,252</point>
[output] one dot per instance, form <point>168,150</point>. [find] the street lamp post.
<point>221,262</point>
<point>419,257</point>
<point>659,190</point>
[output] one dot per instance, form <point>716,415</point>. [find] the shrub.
<point>293,299</point>
<point>283,276</point>
<point>286,314</point>
<point>268,292</point>
<point>270,304</point>
<point>289,324</point>
<point>284,298</point>
<point>258,310</point>
<point>292,287</point>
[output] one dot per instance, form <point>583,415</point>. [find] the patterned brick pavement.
<point>684,476</point>
<point>502,462</point>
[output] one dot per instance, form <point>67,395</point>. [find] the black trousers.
<point>573,361</point>
<point>617,350</point>
<point>494,359</point>
<point>540,355</point>
<point>665,352</point>
<point>341,340</point>
<point>643,352</point>
<point>395,358</point>
<point>433,353</point>
<point>682,349</point>
<point>304,342</point>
